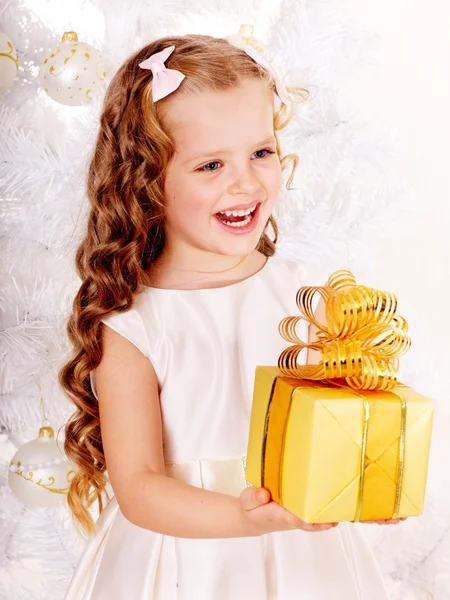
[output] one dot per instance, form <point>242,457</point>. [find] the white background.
<point>410,90</point>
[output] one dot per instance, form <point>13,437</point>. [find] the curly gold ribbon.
<point>360,342</point>
<point>362,338</point>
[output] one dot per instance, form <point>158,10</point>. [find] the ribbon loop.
<point>360,341</point>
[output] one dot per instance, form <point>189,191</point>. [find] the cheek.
<point>274,182</point>
<point>188,199</point>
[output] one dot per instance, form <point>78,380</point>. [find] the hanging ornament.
<point>39,472</point>
<point>245,37</point>
<point>74,73</point>
<point>9,63</point>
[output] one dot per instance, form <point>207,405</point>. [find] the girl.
<point>179,264</point>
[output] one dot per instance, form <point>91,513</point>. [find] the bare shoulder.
<point>130,416</point>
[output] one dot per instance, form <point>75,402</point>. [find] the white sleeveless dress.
<point>204,345</point>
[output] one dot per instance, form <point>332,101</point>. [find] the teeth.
<point>237,213</point>
<point>240,224</point>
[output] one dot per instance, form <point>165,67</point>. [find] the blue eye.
<point>215,162</point>
<point>204,169</point>
<point>265,150</point>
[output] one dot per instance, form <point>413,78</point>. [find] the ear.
<point>313,356</point>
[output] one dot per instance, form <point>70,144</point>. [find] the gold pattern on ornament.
<point>8,55</point>
<point>50,482</point>
<point>73,52</point>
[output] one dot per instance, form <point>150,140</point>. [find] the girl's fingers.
<point>387,521</point>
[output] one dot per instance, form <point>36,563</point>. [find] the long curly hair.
<point>125,229</point>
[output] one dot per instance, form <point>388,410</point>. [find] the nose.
<point>244,181</point>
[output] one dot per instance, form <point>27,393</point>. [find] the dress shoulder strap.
<point>129,324</point>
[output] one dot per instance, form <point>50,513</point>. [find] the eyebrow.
<point>269,140</point>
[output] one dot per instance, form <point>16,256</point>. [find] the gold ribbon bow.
<point>362,338</point>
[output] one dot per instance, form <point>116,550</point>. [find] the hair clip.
<point>165,81</point>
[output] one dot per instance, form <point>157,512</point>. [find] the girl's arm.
<point>131,429</point>
<point>166,505</point>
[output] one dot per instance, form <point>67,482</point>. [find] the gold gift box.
<point>305,447</point>
<point>330,453</point>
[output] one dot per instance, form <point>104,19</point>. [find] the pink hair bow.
<point>245,40</point>
<point>165,81</point>
<point>265,64</point>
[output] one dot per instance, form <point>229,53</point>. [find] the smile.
<point>239,221</point>
<point>237,218</point>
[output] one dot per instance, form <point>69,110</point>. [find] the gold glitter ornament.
<point>74,73</point>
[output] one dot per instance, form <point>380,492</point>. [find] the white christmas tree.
<point>348,200</point>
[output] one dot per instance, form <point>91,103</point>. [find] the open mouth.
<point>237,218</point>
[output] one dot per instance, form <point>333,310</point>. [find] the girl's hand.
<point>386,521</point>
<point>266,516</point>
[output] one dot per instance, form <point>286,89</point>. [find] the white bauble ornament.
<point>245,37</point>
<point>74,73</point>
<point>9,63</point>
<point>39,473</point>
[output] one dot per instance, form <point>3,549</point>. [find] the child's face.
<point>225,157</point>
